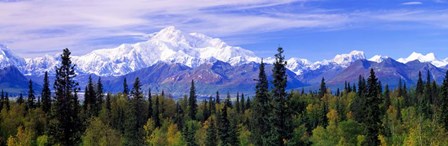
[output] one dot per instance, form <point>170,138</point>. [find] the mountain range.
<point>171,58</point>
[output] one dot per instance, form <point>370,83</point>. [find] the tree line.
<point>362,113</point>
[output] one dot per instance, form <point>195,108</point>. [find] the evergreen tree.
<point>189,134</point>
<point>211,105</point>
<point>248,103</point>
<point>338,93</point>
<point>243,106</point>
<point>108,103</point>
<point>373,120</point>
<point>400,88</point>
<point>206,111</point>
<point>2,99</point>
<point>211,136</point>
<point>38,103</point>
<point>179,117</point>
<point>99,94</point>
<point>237,103</point>
<point>420,87</point>
<point>224,127</point>
<point>322,89</point>
<point>426,100</point>
<point>133,134</point>
<point>217,97</point>
<point>233,132</point>
<point>156,114</point>
<point>150,110</point>
<point>444,102</point>
<point>125,87</point>
<point>387,101</point>
<point>20,100</point>
<point>359,103</point>
<point>192,105</point>
<point>46,94</point>
<point>261,110</point>
<point>6,101</point>
<point>229,104</point>
<point>281,118</point>
<point>90,101</point>
<point>65,123</point>
<point>435,93</point>
<point>31,98</point>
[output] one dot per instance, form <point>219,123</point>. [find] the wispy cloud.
<point>54,24</point>
<point>412,3</point>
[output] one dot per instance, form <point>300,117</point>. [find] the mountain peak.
<point>378,58</point>
<point>430,57</point>
<point>8,58</point>
<point>169,33</point>
<point>420,57</point>
<point>346,59</point>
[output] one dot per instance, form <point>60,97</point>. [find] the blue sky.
<point>312,29</point>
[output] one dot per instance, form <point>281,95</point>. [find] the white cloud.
<point>27,26</point>
<point>51,24</point>
<point>412,3</point>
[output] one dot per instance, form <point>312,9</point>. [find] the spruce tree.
<point>150,110</point>
<point>133,134</point>
<point>189,134</point>
<point>6,101</point>
<point>65,123</point>
<point>373,120</point>
<point>179,117</point>
<point>237,103</point>
<point>99,94</point>
<point>211,136</point>
<point>217,97</point>
<point>192,105</point>
<point>205,111</point>
<point>46,94</point>
<point>359,103</point>
<point>90,100</point>
<point>233,132</point>
<point>261,109</point>
<point>444,102</point>
<point>243,106</point>
<point>419,89</point>
<point>400,88</point>
<point>211,105</point>
<point>38,103</point>
<point>281,118</point>
<point>323,88</point>
<point>338,93</point>
<point>156,114</point>
<point>20,100</point>
<point>387,101</point>
<point>31,98</point>
<point>426,100</point>
<point>108,103</point>
<point>224,127</point>
<point>229,104</point>
<point>2,99</point>
<point>125,87</point>
<point>248,103</point>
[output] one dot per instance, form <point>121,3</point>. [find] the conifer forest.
<point>366,112</point>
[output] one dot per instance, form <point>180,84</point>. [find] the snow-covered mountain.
<point>171,45</point>
<point>378,58</point>
<point>430,57</point>
<point>8,58</point>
